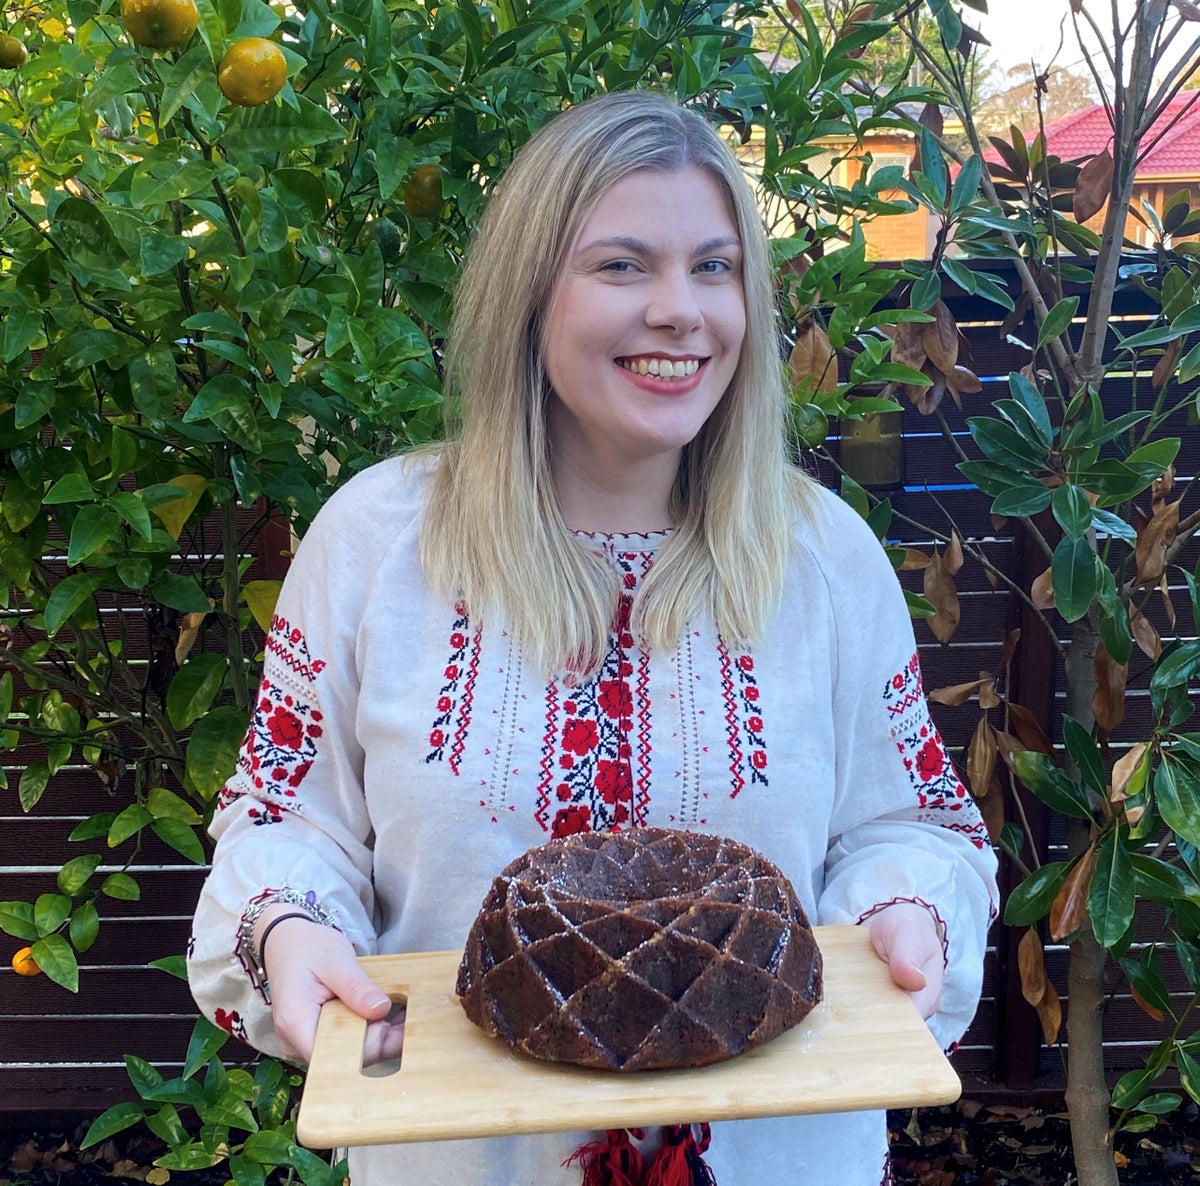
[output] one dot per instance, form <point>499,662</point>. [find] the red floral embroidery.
<point>596,748</point>
<point>743,719</point>
<point>231,1022</point>
<point>453,700</point>
<point>932,774</point>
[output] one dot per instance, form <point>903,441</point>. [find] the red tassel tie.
<point>615,1161</point>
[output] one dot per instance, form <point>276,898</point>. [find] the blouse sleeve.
<point>905,828</point>
<point>293,817</point>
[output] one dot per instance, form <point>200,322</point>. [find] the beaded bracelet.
<point>251,953</point>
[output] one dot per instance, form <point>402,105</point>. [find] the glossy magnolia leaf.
<point>1132,1088</point>
<point>1027,728</point>
<point>1179,666</point>
<point>1177,798</point>
<point>1005,446</point>
<point>1153,541</point>
<point>1146,984</point>
<point>1188,955</point>
<point>1084,753</point>
<point>1073,571</point>
<point>1057,320</point>
<point>1161,1103</point>
<point>1051,784</point>
<point>1110,898</point>
<point>1069,910</point>
<point>1072,510</point>
<point>1031,900</point>
<point>1189,1073</point>
<point>1130,771</point>
<point>1021,501</point>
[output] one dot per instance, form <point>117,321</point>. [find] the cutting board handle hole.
<point>383,1041</point>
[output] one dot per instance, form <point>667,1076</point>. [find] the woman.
<point>515,637</point>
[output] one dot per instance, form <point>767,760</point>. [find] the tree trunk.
<point>1087,1089</point>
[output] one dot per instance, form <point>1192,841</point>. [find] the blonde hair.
<point>493,534</point>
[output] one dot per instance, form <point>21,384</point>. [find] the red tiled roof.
<point>1087,132</point>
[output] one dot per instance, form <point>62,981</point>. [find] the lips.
<point>662,368</point>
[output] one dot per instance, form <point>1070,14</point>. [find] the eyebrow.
<point>640,247</point>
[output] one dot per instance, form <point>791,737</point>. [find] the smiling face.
<point>644,331</point>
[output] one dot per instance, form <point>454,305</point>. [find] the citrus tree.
<point>229,236</point>
<point>1092,483</point>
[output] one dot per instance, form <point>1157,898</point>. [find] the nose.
<point>673,303</point>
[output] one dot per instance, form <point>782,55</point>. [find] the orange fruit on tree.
<point>160,24</point>
<point>423,192</point>
<point>252,72</point>
<point>12,52</point>
<point>24,964</point>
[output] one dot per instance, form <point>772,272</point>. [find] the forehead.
<point>685,207</point>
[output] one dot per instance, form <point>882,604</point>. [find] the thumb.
<point>355,989</point>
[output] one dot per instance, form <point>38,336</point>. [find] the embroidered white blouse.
<point>401,753</point>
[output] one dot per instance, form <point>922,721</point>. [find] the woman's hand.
<point>308,964</point>
<point>905,936</point>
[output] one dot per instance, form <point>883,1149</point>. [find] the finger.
<point>352,986</point>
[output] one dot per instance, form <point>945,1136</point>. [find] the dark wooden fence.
<point>60,1051</point>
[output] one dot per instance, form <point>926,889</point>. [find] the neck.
<point>636,498</point>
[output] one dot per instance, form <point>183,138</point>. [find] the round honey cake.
<point>639,950</point>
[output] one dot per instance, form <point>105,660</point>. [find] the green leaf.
<point>1005,446</point>
<point>16,919</point>
<point>173,965</point>
<point>1152,459</point>
<point>73,876</point>
<point>142,1075</point>
<point>177,1091</point>
<point>1085,753</point>
<point>213,749</point>
<point>206,1040</point>
<point>1132,1087</point>
<point>194,688</point>
<point>267,1147</point>
<point>55,957</point>
<point>33,785</point>
<point>1057,320</point>
<point>1021,500</point>
<point>133,510</point>
<point>1146,978</point>
<point>1039,773</point>
<point>93,826</point>
<point>112,1121</point>
<point>1189,1073</point>
<point>1138,1123</point>
<point>164,804</point>
<point>1072,510</point>
<point>181,837</point>
<point>1176,667</point>
<point>84,927</point>
<point>927,291</point>
<point>1160,1104</point>
<point>1073,574</point>
<point>166,1125</point>
<point>50,911</point>
<point>121,886</point>
<point>1188,955</point>
<point>128,823</point>
<point>1178,801</point>
<point>1110,899</point>
<point>276,129</point>
<point>72,488</point>
<point>1033,898</point>
<point>67,597</point>
<point>181,593</point>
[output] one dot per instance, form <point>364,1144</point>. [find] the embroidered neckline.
<point>625,541</point>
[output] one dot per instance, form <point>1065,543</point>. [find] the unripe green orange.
<point>13,54</point>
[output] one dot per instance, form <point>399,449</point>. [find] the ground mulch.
<point>968,1144</point>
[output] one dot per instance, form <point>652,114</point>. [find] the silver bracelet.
<point>249,954</point>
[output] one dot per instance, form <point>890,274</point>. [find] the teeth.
<point>663,368</point>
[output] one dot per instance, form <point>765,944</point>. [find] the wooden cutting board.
<point>863,1047</point>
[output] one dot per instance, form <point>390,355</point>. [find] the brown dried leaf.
<point>1029,730</point>
<point>1153,542</point>
<point>1092,187</point>
<point>914,560</point>
<point>812,360</point>
<point>1124,769</point>
<point>1168,604</point>
<point>1008,745</point>
<point>954,554</point>
<point>1161,490</point>
<point>981,759</point>
<point>991,807</point>
<point>931,118</point>
<point>1108,700</point>
<point>1049,1011</point>
<point>1144,633</point>
<point>958,694</point>
<point>189,628</point>
<point>907,346</point>
<point>1032,964</point>
<point>864,12</point>
<point>1167,361</point>
<point>931,397</point>
<point>1010,647</point>
<point>941,593</point>
<point>964,381</point>
<point>1042,592</point>
<point>1070,904</point>
<point>988,696</point>
<point>940,338</point>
